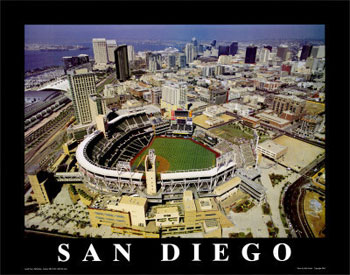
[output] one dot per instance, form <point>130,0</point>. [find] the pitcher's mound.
<point>162,164</point>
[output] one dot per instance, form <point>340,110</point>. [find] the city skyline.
<point>84,33</point>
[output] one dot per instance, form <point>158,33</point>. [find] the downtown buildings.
<point>100,50</point>
<point>122,63</point>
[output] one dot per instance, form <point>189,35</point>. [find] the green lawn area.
<point>182,154</point>
<point>232,132</point>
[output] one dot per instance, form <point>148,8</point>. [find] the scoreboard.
<point>182,116</point>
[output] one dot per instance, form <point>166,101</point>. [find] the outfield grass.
<point>182,154</point>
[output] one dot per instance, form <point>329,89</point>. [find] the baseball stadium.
<point>175,154</point>
<point>115,158</point>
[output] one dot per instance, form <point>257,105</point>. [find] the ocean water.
<point>38,59</point>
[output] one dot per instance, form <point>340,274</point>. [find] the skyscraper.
<point>268,47</point>
<point>100,50</point>
<point>82,85</point>
<point>305,52</point>
<point>111,46</point>
<point>194,41</point>
<point>224,50</point>
<point>181,60</point>
<point>72,61</point>
<point>318,52</point>
<point>171,61</point>
<point>189,51</point>
<point>122,63</point>
<point>250,55</point>
<point>200,48</point>
<point>155,62</point>
<point>264,55</point>
<point>282,51</point>
<point>233,48</point>
<point>148,55</point>
<point>213,43</point>
<point>131,53</point>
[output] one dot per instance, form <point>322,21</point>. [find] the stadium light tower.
<point>256,136</point>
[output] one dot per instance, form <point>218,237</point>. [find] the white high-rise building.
<point>131,53</point>
<point>82,84</point>
<point>175,94</point>
<point>111,46</point>
<point>264,55</point>
<point>318,51</point>
<point>100,50</point>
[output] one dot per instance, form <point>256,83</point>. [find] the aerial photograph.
<point>174,131</point>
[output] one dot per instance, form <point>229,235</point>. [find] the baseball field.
<point>176,154</point>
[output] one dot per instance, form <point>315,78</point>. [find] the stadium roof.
<point>83,162</point>
<point>41,95</point>
<point>127,114</point>
<point>196,174</point>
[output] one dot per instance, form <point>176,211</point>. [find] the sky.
<point>68,34</point>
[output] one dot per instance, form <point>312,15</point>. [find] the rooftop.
<point>166,210</point>
<point>107,202</point>
<point>99,40</point>
<point>205,204</point>
<point>270,145</point>
<point>133,201</point>
<point>221,189</point>
<point>272,118</point>
<point>291,97</point>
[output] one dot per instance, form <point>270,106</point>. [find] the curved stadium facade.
<point>104,159</point>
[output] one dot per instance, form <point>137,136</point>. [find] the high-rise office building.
<point>213,43</point>
<point>147,56</point>
<point>171,61</point>
<point>194,41</point>
<point>100,50</point>
<point>189,51</point>
<point>233,48</point>
<point>181,60</point>
<point>318,51</point>
<point>131,53</point>
<point>250,55</point>
<point>82,85</point>
<point>264,55</point>
<point>268,47</point>
<point>282,51</point>
<point>122,63</point>
<point>224,50</point>
<point>73,61</point>
<point>111,46</point>
<point>200,48</point>
<point>154,62</point>
<point>305,52</point>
